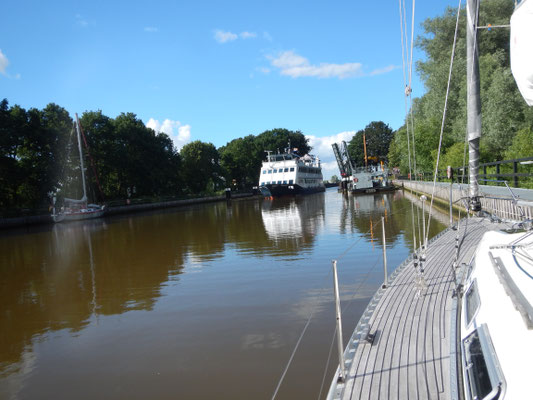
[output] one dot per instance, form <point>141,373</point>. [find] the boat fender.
<point>355,179</point>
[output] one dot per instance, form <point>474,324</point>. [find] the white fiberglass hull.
<point>78,215</point>
<point>497,318</point>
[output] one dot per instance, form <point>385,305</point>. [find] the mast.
<point>364,147</point>
<point>473,101</point>
<point>81,158</point>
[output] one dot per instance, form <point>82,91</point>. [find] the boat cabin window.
<point>471,302</point>
<point>286,170</point>
<point>264,171</point>
<point>280,157</point>
<point>275,171</point>
<point>284,182</point>
<point>482,373</point>
<point>269,171</point>
<point>291,181</point>
<point>292,169</point>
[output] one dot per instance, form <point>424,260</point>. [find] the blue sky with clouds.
<point>213,70</point>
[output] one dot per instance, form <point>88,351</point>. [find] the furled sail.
<point>522,48</point>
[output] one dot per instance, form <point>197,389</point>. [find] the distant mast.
<point>81,158</point>
<point>473,101</point>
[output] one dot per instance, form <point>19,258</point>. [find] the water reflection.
<point>123,293</point>
<point>363,214</point>
<point>60,279</point>
<point>292,224</point>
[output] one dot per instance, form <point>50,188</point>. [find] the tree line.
<point>39,157</point>
<point>507,121</point>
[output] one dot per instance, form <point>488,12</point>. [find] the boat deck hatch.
<point>484,379</point>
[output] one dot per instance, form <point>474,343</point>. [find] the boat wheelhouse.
<point>290,174</point>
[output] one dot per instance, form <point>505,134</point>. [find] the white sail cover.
<point>522,48</point>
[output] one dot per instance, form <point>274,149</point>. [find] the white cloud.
<point>263,70</point>
<point>184,136</point>
<point>322,148</point>
<point>223,37</point>
<point>267,36</point>
<point>226,36</point>
<point>81,21</point>
<point>180,134</point>
<point>151,29</point>
<point>248,35</point>
<point>296,66</point>
<point>384,70</point>
<point>4,62</point>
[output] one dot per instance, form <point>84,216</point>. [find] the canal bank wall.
<point>495,200</point>
<point>6,223</point>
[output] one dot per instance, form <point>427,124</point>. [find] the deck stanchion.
<point>385,282</point>
<point>424,238</point>
<point>339,322</point>
<point>449,174</point>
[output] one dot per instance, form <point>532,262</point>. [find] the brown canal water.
<point>203,302</point>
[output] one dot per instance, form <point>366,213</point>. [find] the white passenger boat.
<point>290,174</point>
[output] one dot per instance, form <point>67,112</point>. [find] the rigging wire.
<point>92,161</point>
<point>408,90</point>
<point>452,58</point>
<point>292,355</point>
<point>327,363</point>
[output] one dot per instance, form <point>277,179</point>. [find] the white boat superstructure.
<point>290,174</point>
<point>496,329</point>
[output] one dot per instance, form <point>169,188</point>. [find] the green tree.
<point>504,112</point>
<point>241,160</point>
<point>277,140</point>
<point>378,136</point>
<point>522,145</point>
<point>200,166</point>
<point>42,153</point>
<point>12,122</point>
<point>100,132</point>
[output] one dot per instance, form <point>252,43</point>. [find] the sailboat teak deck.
<point>410,352</point>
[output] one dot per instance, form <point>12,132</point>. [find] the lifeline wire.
<point>306,326</point>
<point>367,275</point>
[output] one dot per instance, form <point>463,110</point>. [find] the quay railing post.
<point>385,281</point>
<point>515,172</point>
<point>340,345</point>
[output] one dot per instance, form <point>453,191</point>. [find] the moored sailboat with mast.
<point>78,209</point>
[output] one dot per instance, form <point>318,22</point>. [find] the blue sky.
<point>212,70</point>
